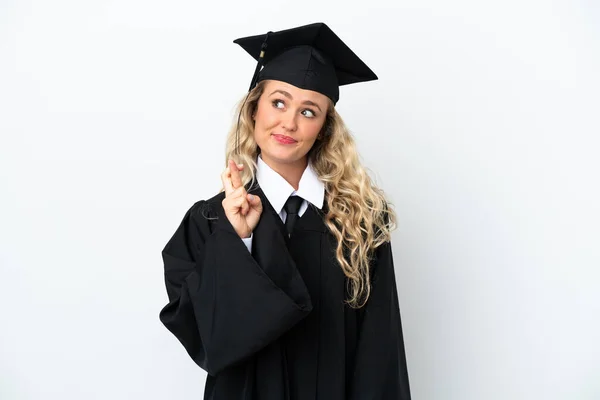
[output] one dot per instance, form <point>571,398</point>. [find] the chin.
<point>279,157</point>
<point>282,157</point>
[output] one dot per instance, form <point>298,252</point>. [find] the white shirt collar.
<point>277,189</point>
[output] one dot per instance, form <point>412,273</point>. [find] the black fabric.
<point>310,57</point>
<point>272,324</point>
<point>291,207</point>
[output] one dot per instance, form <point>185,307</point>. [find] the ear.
<point>321,134</point>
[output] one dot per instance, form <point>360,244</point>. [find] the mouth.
<point>284,139</point>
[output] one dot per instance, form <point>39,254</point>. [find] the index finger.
<point>236,180</point>
<point>227,181</point>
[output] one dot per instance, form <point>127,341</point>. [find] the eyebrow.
<point>289,96</point>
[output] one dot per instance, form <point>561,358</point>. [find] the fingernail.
<point>250,197</point>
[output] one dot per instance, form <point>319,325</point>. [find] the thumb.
<point>254,200</point>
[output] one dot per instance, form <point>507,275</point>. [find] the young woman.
<point>282,286</point>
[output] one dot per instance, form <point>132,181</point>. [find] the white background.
<point>482,129</point>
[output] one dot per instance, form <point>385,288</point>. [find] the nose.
<point>289,121</point>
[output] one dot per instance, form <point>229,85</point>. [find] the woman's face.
<point>287,122</point>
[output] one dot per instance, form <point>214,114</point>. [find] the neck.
<point>291,172</point>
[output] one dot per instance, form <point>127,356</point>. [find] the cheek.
<point>265,116</point>
<point>313,129</point>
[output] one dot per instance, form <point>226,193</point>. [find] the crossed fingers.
<point>231,177</point>
<point>234,190</point>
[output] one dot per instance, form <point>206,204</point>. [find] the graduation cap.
<point>310,57</point>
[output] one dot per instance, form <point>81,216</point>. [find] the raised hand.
<point>242,209</point>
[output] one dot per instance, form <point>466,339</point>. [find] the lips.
<point>284,139</point>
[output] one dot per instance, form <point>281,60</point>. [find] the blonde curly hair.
<point>359,216</point>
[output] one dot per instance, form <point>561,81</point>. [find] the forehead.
<point>296,92</point>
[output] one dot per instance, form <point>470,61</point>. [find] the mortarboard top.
<point>310,57</point>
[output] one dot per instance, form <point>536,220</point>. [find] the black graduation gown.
<point>272,324</point>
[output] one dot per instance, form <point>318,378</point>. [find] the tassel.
<point>259,64</point>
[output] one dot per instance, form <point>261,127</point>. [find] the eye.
<point>311,115</point>
<point>280,104</point>
<point>277,101</point>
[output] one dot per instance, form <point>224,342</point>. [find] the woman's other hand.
<point>241,208</point>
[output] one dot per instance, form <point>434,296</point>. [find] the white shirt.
<point>277,190</point>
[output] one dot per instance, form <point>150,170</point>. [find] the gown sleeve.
<point>380,370</point>
<point>223,307</point>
